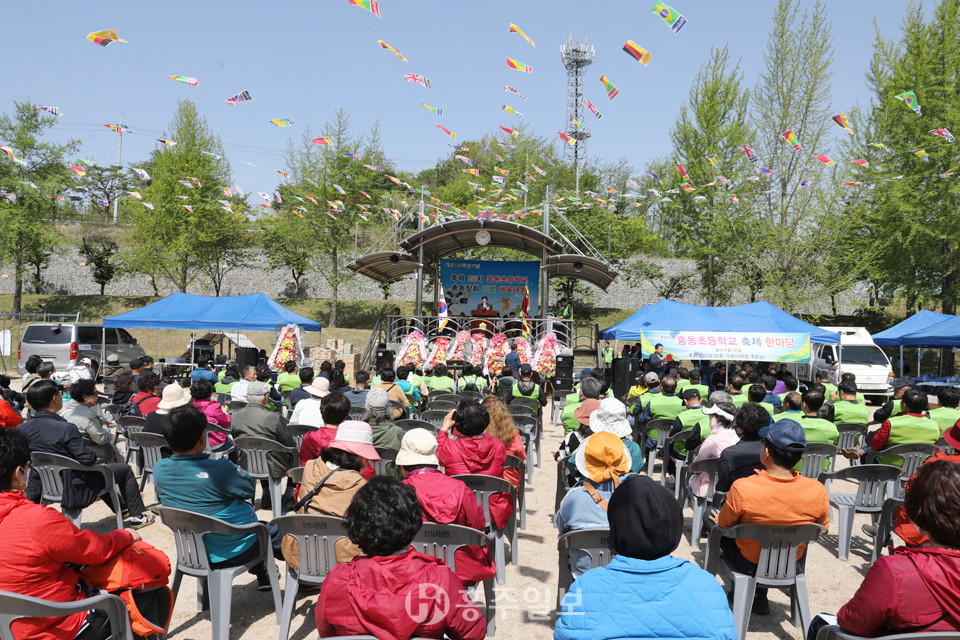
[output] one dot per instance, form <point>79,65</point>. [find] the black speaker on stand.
<point>564,367</point>
<point>383,356</point>
<point>246,357</point>
<point>624,372</point>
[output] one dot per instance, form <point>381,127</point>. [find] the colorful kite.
<point>642,55</point>
<point>841,120</point>
<point>673,19</point>
<point>283,122</point>
<point>464,159</point>
<point>370,5</point>
<point>910,99</point>
<point>922,154</point>
<point>517,30</point>
<point>712,159</point>
<point>880,145</point>
<point>143,175</point>
<point>186,80</point>
<point>566,138</point>
<point>169,143</point>
<point>507,87</point>
<point>611,88</point>
<point>791,137</point>
<point>447,131</point>
<point>243,96</point>
<point>804,184</point>
<point>80,171</point>
<point>943,133</point>
<point>51,110</point>
<point>510,131</point>
<point>593,109</point>
<point>519,66</point>
<point>862,163</point>
<point>117,128</point>
<point>578,124</point>
<point>681,171</point>
<point>103,38</point>
<point>825,160</point>
<point>322,141</point>
<point>391,49</point>
<point>437,111</point>
<point>512,111</point>
<point>422,81</point>
<point>283,173</point>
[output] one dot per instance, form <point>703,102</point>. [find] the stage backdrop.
<point>725,345</point>
<point>466,281</point>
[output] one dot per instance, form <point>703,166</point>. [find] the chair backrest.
<point>112,409</point>
<point>434,416</point>
<point>150,444</point>
<point>447,397</point>
<point>532,403</point>
<point>14,606</point>
<point>357,413</point>
<point>913,456</point>
<point>407,425</point>
<point>811,464</point>
<point>778,547</point>
<point>132,421</point>
<point>317,536</point>
<point>663,432</point>
<point>485,486</point>
<point>593,542</point>
<point>834,632</point>
<point>470,395</point>
<point>711,466</point>
<point>441,405</point>
<point>298,431</point>
<point>849,432</point>
<point>513,462</point>
<point>188,531</point>
<point>49,466</point>
<point>386,455</point>
<point>872,481</point>
<point>442,541</point>
<point>256,449</point>
<point>295,474</point>
<point>527,424</point>
<point>520,410</point>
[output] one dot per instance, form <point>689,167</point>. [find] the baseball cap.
<point>785,434</point>
<point>525,369</point>
<point>690,393</point>
<point>257,388</point>
<point>113,358</point>
<point>651,378</point>
<point>86,361</point>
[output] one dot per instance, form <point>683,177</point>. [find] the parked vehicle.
<point>64,344</point>
<point>856,354</point>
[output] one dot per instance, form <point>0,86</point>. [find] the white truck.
<point>856,354</point>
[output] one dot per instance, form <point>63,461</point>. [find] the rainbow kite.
<point>283,122</point>
<point>517,30</point>
<point>841,120</point>
<point>322,141</point>
<point>611,88</point>
<point>437,111</point>
<point>566,138</point>
<point>370,5</point>
<point>512,111</point>
<point>673,19</point>
<point>186,80</point>
<point>519,66</point>
<point>791,137</point>
<point>642,55</point>
<point>103,38</point>
<point>394,51</point>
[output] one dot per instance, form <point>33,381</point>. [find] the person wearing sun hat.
<point>307,410</point>
<point>601,461</point>
<point>172,396</point>
<point>611,416</point>
<point>645,592</point>
<point>444,500</point>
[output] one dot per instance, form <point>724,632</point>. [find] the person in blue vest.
<point>769,383</point>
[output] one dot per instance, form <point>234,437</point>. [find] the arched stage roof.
<point>443,239</point>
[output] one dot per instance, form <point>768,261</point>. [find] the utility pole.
<point>544,276</point>
<point>116,196</point>
<point>419,294</point>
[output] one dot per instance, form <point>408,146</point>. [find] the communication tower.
<point>576,58</point>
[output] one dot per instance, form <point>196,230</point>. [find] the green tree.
<point>188,232</point>
<point>32,182</point>
<point>287,247</point>
<point>101,254</point>
<point>102,186</point>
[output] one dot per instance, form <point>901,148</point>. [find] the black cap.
<point>690,393</point>
<point>526,369</point>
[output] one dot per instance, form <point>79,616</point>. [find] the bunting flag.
<point>384,45</point>
<point>910,99</point>
<point>862,163</point>
<point>283,173</point>
<point>283,122</point>
<point>437,111</point>
<point>674,20</point>
<point>517,30</point>
<point>943,133</point>
<point>791,137</point>
<point>653,174</point>
<point>418,79</point>
<point>464,159</point>
<point>642,55</point>
<point>751,156</point>
<point>547,160</point>
<point>712,159</point>
<point>681,171</point>
<point>566,138</point>
<point>519,66</point>
<point>539,170</point>
<point>841,120</point>
<point>185,80</point>
<point>578,124</point>
<point>447,131</point>
<point>243,96</point>
<point>593,109</point>
<point>510,89</point>
<point>510,131</point>
<point>370,5</point>
<point>804,183</point>
<point>512,111</point>
<point>611,88</point>
<point>922,154</point>
<point>116,127</point>
<point>825,160</point>
<point>80,171</point>
<point>103,38</point>
<point>51,110</point>
<point>322,141</point>
<point>765,171</point>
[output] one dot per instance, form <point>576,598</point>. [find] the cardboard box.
<point>347,348</point>
<point>332,344</point>
<point>350,359</point>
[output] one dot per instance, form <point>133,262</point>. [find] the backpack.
<point>132,408</point>
<point>471,386</point>
<point>138,574</point>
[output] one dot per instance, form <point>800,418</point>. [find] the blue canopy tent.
<point>918,323</point>
<point>677,316</point>
<point>254,312</point>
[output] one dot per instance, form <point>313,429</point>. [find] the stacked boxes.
<point>333,351</point>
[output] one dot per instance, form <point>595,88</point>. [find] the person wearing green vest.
<point>792,407</point>
<point>695,378</point>
<point>816,428</point>
<point>756,395</point>
<point>735,389</point>
<point>692,418</point>
<point>846,408</point>
<point>439,382</point>
<point>947,414</point>
<point>231,377</point>
<point>892,407</point>
<point>564,312</point>
<point>590,387</point>
<point>792,384</point>
<point>608,354</point>
<point>288,380</point>
<point>527,388</point>
<point>824,378</point>
<point>664,405</point>
<point>752,378</point>
<point>910,427</point>
<point>469,377</point>
<point>683,380</point>
<point>849,377</point>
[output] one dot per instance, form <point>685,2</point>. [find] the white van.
<point>856,354</point>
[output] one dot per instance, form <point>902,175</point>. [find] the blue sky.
<point>302,60</point>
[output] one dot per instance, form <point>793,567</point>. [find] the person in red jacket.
<point>8,417</point>
<point>38,542</point>
<point>917,588</point>
<point>394,592</point>
<point>444,500</point>
<point>464,447</point>
<point>147,399</point>
<point>904,528</point>
<point>335,409</point>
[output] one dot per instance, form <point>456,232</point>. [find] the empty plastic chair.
<point>873,487</point>
<point>14,606</point>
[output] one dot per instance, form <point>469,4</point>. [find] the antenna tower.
<point>576,58</point>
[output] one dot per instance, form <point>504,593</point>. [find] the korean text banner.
<point>729,345</point>
<point>504,283</point>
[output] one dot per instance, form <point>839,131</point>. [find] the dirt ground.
<point>526,601</point>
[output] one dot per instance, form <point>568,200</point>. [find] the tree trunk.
<point>711,289</point>
<point>949,292</point>
<point>335,292</point>
<point>833,303</point>
<point>103,287</point>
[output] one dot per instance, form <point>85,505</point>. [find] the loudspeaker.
<point>246,357</point>
<point>563,384</point>
<point>564,367</point>
<point>624,372</point>
<point>383,355</point>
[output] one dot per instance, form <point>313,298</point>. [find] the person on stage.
<point>484,305</point>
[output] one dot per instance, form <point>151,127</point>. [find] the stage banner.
<point>729,345</point>
<point>466,281</point>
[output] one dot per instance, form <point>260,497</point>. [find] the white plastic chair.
<point>14,606</point>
